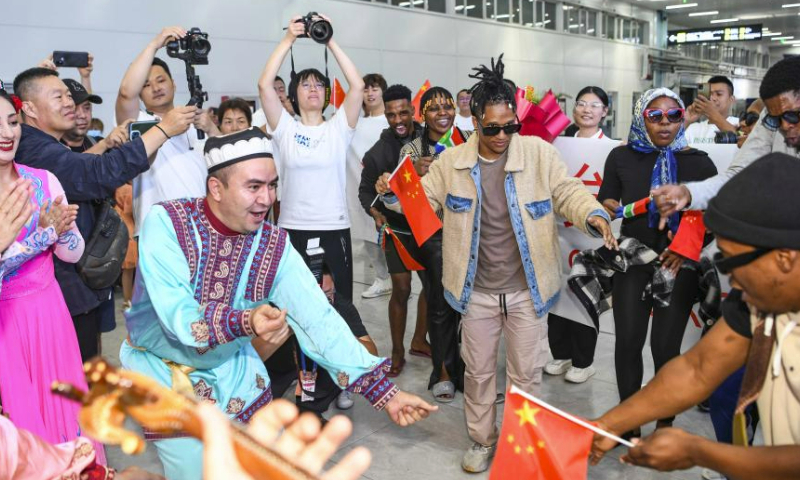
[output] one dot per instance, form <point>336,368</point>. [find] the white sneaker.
<point>378,288</point>
<point>344,401</point>
<point>557,367</point>
<point>709,474</point>
<point>579,375</point>
<point>477,458</point>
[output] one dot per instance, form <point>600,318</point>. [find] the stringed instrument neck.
<point>115,395</point>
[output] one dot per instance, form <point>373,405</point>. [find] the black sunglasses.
<point>509,129</point>
<point>749,118</point>
<point>774,122</point>
<point>726,265</point>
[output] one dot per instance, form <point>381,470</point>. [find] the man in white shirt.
<point>716,110</point>
<point>179,170</point>
<point>464,117</point>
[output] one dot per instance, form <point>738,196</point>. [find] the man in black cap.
<point>77,139</point>
<point>758,234</point>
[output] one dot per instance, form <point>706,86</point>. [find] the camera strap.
<point>291,58</point>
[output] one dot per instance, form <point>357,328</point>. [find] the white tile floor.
<point>433,448</point>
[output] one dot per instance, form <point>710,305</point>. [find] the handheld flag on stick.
<point>405,183</point>
<point>450,139</point>
<point>405,257</point>
<point>539,441</point>
<point>337,94</point>
<point>418,98</point>
<point>634,209</point>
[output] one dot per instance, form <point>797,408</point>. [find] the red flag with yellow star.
<point>418,98</point>
<point>337,94</point>
<point>688,241</point>
<point>537,443</point>
<point>405,183</point>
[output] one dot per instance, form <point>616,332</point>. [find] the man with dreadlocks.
<point>502,192</point>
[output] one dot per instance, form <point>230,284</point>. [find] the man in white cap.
<point>214,277</point>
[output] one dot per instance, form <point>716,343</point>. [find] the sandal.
<point>396,369</point>
<point>444,392</point>
<point>419,353</point>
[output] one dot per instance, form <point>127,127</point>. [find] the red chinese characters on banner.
<point>592,183</point>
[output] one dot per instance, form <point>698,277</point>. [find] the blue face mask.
<point>94,133</point>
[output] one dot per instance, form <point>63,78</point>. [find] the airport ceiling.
<point>777,16</point>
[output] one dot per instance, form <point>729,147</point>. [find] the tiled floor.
<point>433,448</point>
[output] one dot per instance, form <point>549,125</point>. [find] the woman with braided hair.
<point>438,112</point>
<point>500,194</point>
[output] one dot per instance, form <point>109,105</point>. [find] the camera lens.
<point>201,46</point>
<point>725,137</point>
<point>320,31</point>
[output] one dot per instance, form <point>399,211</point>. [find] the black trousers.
<point>632,317</point>
<point>442,319</point>
<point>338,256</point>
<point>571,341</point>
<point>87,329</point>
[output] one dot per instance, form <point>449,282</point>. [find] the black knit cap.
<point>759,206</point>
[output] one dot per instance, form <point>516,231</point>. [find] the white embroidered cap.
<point>236,147</point>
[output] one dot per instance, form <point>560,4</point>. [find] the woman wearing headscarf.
<point>656,154</point>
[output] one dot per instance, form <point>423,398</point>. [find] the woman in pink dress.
<point>37,339</point>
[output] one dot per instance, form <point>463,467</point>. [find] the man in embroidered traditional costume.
<point>757,226</point>
<point>212,271</point>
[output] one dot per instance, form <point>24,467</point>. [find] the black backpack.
<point>101,263</point>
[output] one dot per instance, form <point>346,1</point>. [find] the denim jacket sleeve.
<point>758,144</point>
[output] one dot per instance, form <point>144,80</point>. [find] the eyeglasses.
<point>654,115</point>
<point>509,129</point>
<point>592,105</point>
<point>726,265</point>
<point>464,99</point>
<point>749,118</point>
<point>309,86</point>
<point>774,122</point>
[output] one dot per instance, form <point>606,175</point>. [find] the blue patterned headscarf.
<point>666,170</point>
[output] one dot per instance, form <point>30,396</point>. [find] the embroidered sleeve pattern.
<point>223,324</point>
<point>69,240</point>
<point>20,252</point>
<point>375,387</point>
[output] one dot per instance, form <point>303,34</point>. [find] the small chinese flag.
<point>418,99</point>
<point>337,94</point>
<point>537,443</point>
<point>405,257</point>
<point>405,183</point>
<point>688,241</point>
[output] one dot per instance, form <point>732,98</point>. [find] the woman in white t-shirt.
<point>313,156</point>
<point>571,343</point>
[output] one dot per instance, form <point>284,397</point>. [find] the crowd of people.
<point>235,255</point>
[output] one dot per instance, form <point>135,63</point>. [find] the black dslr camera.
<point>317,28</point>
<point>193,48</point>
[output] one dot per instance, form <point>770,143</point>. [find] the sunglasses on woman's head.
<point>654,115</point>
<point>774,122</point>
<point>749,118</point>
<point>509,129</point>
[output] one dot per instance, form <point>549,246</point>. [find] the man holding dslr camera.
<point>178,170</point>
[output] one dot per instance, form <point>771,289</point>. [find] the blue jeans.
<point>723,404</point>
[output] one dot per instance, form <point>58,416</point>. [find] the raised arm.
<point>683,382</point>
<point>136,76</point>
<point>269,98</point>
<point>355,95</point>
